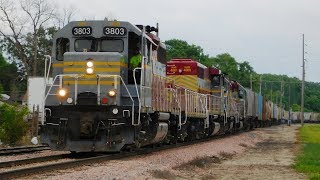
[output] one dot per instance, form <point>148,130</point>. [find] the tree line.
<point>272,85</point>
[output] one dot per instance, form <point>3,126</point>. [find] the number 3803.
<point>77,31</point>
<point>115,31</point>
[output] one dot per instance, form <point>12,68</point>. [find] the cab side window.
<point>162,54</point>
<point>200,73</point>
<point>134,44</point>
<point>62,46</point>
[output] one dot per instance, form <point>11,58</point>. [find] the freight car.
<point>99,102</point>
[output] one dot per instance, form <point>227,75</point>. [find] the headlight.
<point>115,111</point>
<point>69,100</point>
<point>89,70</point>
<point>62,92</point>
<point>112,93</point>
<point>89,64</point>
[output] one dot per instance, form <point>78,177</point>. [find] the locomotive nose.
<point>94,78</point>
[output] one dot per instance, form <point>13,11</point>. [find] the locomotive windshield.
<point>105,45</point>
<point>85,45</point>
<point>111,45</point>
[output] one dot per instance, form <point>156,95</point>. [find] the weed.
<point>243,145</point>
<point>200,162</point>
<point>226,155</point>
<point>163,174</point>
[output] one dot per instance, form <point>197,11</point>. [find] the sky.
<point>266,33</point>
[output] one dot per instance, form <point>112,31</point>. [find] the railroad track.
<point>83,161</point>
<point>21,162</point>
<point>22,149</point>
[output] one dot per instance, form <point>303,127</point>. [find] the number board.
<point>114,31</point>
<point>82,31</point>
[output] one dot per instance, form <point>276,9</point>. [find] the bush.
<point>12,124</point>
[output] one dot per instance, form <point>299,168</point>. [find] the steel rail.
<point>20,162</point>
<point>23,149</point>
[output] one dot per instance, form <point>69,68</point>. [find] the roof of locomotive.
<point>97,27</point>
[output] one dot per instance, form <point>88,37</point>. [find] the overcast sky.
<point>266,33</point>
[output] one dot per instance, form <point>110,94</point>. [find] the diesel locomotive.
<point>97,102</point>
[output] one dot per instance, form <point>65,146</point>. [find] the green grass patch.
<point>309,160</point>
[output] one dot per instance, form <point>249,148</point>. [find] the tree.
<point>226,64</point>
<point>236,71</point>
<point>1,89</point>
<point>241,72</point>
<point>18,41</point>
<point>9,75</point>
<point>65,16</point>
<point>295,108</point>
<point>181,49</point>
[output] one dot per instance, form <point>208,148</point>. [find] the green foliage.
<point>1,89</point>
<point>295,108</point>
<point>309,160</point>
<point>312,96</point>
<point>235,71</point>
<point>12,124</point>
<point>45,36</point>
<point>225,62</point>
<point>181,49</point>
<point>243,72</point>
<point>11,77</point>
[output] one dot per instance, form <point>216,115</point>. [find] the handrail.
<point>135,82</point>
<point>46,76</point>
<point>60,86</point>
<point>174,93</point>
<point>115,86</point>
<point>76,76</point>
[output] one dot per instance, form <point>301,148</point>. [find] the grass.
<point>309,160</point>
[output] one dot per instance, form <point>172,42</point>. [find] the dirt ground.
<point>266,153</point>
<point>270,159</point>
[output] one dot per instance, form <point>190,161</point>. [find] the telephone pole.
<point>260,82</point>
<point>302,83</point>
<point>281,94</point>
<point>289,102</point>
<point>271,93</point>
<point>251,82</point>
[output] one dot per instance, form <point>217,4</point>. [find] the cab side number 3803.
<point>115,31</point>
<point>78,31</point>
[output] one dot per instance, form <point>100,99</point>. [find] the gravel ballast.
<point>144,166</point>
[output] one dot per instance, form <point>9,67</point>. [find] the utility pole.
<point>281,94</point>
<point>260,82</point>
<point>302,83</point>
<point>289,102</point>
<point>271,93</point>
<point>251,82</point>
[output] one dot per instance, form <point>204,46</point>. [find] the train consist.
<point>98,102</point>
